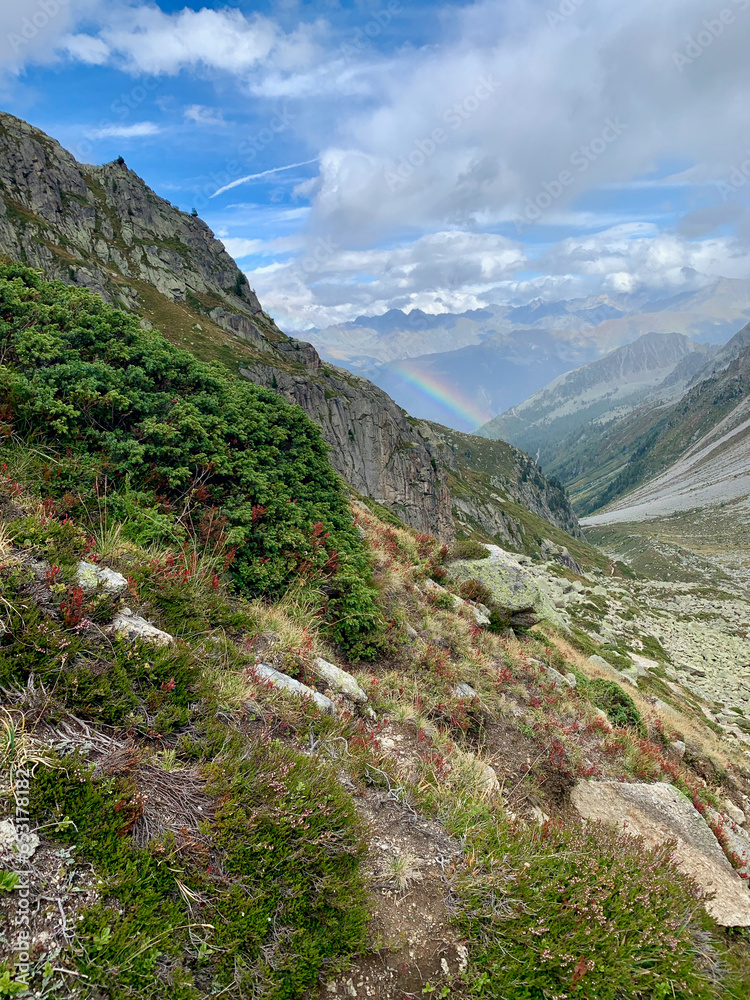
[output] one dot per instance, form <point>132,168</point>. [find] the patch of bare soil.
<point>411,939</point>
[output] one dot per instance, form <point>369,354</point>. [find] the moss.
<point>276,900</point>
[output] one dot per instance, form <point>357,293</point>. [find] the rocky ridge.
<point>103,228</point>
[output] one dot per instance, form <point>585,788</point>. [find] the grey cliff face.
<point>373,445</point>
<point>104,229</point>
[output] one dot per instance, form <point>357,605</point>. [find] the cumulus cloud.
<point>324,283</point>
<point>508,103</point>
<point>31,30</point>
<point>442,272</point>
<point>146,39</point>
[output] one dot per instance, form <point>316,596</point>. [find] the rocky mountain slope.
<point>599,393</point>
<point>697,456</point>
<point>102,228</point>
<point>260,740</point>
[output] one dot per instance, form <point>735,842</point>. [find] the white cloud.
<point>31,30</point>
<point>201,115</point>
<point>443,272</point>
<point>146,39</point>
<point>135,131</point>
<point>487,118</point>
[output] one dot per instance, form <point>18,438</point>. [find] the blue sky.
<point>445,156</point>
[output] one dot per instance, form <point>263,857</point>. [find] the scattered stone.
<point>630,674</point>
<point>599,591</point>
<point>539,815</point>
<point>558,679</point>
<point>488,781</point>
<point>572,680</point>
<point>90,577</point>
<point>339,680</point>
<point>678,748</point>
<point>9,844</point>
<point>604,717</point>
<point>658,813</point>
<point>286,683</point>
<point>734,812</point>
<point>411,632</point>
<point>135,627</point>
<point>465,692</point>
<point>642,664</point>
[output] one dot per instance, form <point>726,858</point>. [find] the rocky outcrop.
<point>103,228</point>
<point>512,586</point>
<point>660,813</point>
<point>374,446</point>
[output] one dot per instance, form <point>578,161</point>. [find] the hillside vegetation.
<point>199,831</point>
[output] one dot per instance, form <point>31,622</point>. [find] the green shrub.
<point>467,549</point>
<point>274,902</point>
<point>181,446</point>
<point>620,708</point>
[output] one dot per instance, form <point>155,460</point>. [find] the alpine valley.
<point>303,696</point>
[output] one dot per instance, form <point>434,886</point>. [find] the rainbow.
<point>444,393</point>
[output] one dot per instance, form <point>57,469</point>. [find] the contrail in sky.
<point>264,173</point>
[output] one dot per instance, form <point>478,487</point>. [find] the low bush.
<point>178,447</point>
<point>583,913</point>
<point>264,900</point>
<point>619,706</point>
<point>467,549</point>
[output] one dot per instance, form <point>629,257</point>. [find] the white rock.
<point>630,674</point>
<point>678,748</point>
<point>135,627</point>
<point>10,845</point>
<point>339,680</point>
<point>642,663</point>
<point>733,812</point>
<point>659,812</point>
<point>464,691</point>
<point>286,683</point>
<point>90,577</point>
<point>558,679</point>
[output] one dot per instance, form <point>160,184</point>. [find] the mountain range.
<point>655,427</point>
<point>463,369</point>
